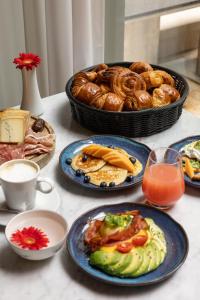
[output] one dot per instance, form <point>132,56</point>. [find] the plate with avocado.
<point>127,244</point>
<point>193,153</point>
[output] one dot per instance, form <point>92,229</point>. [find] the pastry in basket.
<point>155,78</point>
<point>107,75</point>
<point>109,102</point>
<point>100,67</point>
<point>124,84</point>
<point>140,67</point>
<point>105,166</point>
<point>118,88</point>
<point>125,244</point>
<point>160,98</point>
<point>140,100</point>
<point>90,93</point>
<point>191,160</point>
<point>171,91</point>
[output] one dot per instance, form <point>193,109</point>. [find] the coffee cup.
<point>20,180</point>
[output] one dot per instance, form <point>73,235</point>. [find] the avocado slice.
<point>152,253</point>
<point>144,266</point>
<point>122,264</point>
<point>136,261</point>
<point>157,253</point>
<point>161,247</point>
<point>103,259</point>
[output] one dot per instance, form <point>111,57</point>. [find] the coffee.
<point>18,172</point>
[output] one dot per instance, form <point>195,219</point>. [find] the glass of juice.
<point>163,181</point>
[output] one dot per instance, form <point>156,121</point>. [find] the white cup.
<point>20,180</point>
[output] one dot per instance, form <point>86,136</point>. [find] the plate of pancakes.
<point>104,162</point>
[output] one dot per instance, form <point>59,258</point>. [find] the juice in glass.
<point>163,182</point>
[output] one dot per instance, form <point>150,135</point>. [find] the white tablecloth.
<point>59,278</point>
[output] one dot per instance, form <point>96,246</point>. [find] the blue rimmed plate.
<point>180,144</point>
<point>177,245</point>
<point>139,150</point>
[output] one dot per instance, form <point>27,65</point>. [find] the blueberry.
<point>129,178</point>
<point>111,146</point>
<point>86,179</point>
<point>79,172</point>
<point>111,184</point>
<point>132,159</point>
<point>84,158</point>
<point>68,161</point>
<point>103,184</point>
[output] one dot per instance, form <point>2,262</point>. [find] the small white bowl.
<point>51,223</point>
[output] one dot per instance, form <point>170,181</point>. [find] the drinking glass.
<point>163,181</point>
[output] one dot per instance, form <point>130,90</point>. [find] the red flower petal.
<point>30,238</point>
<point>27,60</point>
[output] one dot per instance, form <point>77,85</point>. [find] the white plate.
<point>49,201</point>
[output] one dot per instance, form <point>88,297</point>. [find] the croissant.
<point>152,79</point>
<point>87,93</point>
<point>109,102</point>
<point>171,91</point>
<point>140,100</point>
<point>167,78</point>
<point>104,88</point>
<point>160,98</point>
<point>140,67</point>
<point>126,83</point>
<point>100,67</point>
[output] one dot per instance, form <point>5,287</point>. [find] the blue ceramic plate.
<point>177,245</point>
<point>177,146</point>
<point>140,151</point>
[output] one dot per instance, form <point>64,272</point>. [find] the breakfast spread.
<point>105,165</point>
<point>120,88</point>
<point>191,160</point>
<point>23,136</point>
<point>125,244</point>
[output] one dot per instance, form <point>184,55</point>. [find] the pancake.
<point>108,174</point>
<point>90,165</point>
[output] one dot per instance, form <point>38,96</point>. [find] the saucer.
<point>50,201</point>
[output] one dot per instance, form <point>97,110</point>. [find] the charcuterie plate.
<point>43,159</point>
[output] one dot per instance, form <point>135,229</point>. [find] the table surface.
<point>58,277</point>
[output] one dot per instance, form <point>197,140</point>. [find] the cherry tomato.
<point>139,240</point>
<point>124,247</point>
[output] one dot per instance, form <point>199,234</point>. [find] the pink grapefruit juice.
<point>163,184</point>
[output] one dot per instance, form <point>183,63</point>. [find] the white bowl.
<point>51,223</point>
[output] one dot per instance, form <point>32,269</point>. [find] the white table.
<point>59,278</point>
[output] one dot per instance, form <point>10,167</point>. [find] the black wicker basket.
<point>129,123</point>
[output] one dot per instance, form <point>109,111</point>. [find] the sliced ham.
<point>11,151</point>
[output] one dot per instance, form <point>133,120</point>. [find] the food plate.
<point>139,150</point>
<point>42,159</point>
<point>176,238</point>
<point>180,144</point>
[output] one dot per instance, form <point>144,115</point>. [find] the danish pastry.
<point>140,67</point>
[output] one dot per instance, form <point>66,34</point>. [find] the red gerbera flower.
<point>27,60</point>
<point>30,238</point>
